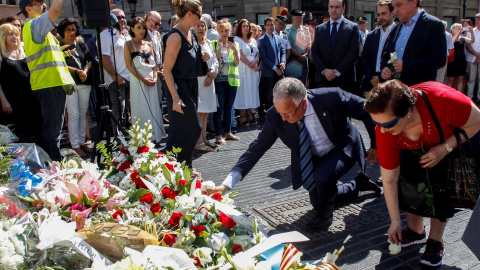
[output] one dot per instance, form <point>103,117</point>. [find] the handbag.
<point>463,171</point>
<point>451,56</point>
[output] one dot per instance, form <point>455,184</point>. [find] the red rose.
<point>197,229</point>
<point>147,198</point>
<point>117,213</point>
<point>217,196</point>
<point>155,208</point>
<point>169,166</point>
<point>175,219</point>
<point>236,249</point>
<point>125,165</point>
<point>182,182</point>
<point>165,192</point>
<point>124,150</point>
<point>159,155</point>
<point>142,149</point>
<point>198,185</point>
<point>227,221</point>
<point>169,239</point>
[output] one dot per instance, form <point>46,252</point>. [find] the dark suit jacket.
<point>267,55</point>
<point>425,51</point>
<point>341,56</point>
<point>369,58</point>
<point>334,108</point>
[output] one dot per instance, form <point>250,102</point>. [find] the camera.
<point>465,29</point>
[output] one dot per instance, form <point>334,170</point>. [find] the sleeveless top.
<point>189,59</point>
<point>15,79</point>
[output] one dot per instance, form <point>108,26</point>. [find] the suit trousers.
<point>327,170</point>
<point>266,89</point>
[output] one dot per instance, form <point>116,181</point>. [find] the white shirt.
<point>156,47</point>
<point>339,21</point>
<point>119,41</point>
<point>383,38</point>
<point>284,39</point>
<point>475,46</point>
<point>320,145</point>
<point>449,42</point>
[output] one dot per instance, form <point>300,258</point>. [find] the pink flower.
<point>80,217</point>
<point>113,202</point>
<point>78,207</point>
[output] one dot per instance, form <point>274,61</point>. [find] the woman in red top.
<point>404,122</point>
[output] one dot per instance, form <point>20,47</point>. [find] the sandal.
<point>253,121</point>
<point>79,152</point>
<point>86,149</point>
<point>203,148</point>
<point>219,140</point>
<point>210,144</point>
<point>231,137</point>
<point>244,123</point>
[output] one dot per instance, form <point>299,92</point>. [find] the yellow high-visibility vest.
<point>233,75</point>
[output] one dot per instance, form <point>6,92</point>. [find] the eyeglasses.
<point>198,15</point>
<point>121,17</point>
<point>390,124</point>
<point>71,30</point>
<point>157,24</point>
<point>290,115</point>
<point>37,4</point>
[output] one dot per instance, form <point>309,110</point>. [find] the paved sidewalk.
<point>267,193</point>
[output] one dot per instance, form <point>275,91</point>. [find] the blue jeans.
<point>226,96</point>
<point>52,104</point>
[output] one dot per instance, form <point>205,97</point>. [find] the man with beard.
<point>373,47</point>
<point>49,74</point>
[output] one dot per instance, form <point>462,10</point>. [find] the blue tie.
<point>306,165</point>
<point>333,34</point>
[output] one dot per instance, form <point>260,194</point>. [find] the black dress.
<point>185,129</point>
<point>459,65</point>
<point>26,117</point>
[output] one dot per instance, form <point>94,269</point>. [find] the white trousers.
<point>473,73</point>
<point>77,106</point>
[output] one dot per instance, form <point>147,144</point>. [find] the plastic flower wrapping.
<point>144,210</point>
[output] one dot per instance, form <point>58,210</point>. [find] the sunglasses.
<point>157,24</point>
<point>290,115</point>
<point>120,17</point>
<point>390,124</point>
<point>198,15</point>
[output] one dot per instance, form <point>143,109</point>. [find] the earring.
<point>408,116</point>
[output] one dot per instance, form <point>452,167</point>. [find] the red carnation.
<point>236,249</point>
<point>168,193</point>
<point>155,208</point>
<point>169,166</point>
<point>217,196</point>
<point>159,155</point>
<point>124,150</point>
<point>198,185</point>
<point>175,219</point>
<point>147,198</point>
<point>135,176</point>
<point>197,229</point>
<point>124,166</point>
<point>227,221</point>
<point>169,240</point>
<point>143,149</point>
<point>117,213</point>
<point>182,182</point>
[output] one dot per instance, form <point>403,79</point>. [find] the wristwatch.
<point>449,148</point>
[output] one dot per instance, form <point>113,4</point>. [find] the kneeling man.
<point>324,145</point>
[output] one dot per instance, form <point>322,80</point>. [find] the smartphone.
<point>71,47</point>
<point>117,2</point>
<point>464,29</point>
<point>230,39</point>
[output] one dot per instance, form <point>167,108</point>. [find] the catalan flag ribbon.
<point>327,266</point>
<point>290,256</point>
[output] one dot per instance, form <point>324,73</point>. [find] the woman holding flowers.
<point>405,123</point>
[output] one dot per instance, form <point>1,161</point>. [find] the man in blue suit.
<point>419,41</point>
<point>324,145</point>
<point>373,47</point>
<point>272,56</point>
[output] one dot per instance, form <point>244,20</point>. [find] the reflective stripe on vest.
<point>233,75</point>
<point>45,61</point>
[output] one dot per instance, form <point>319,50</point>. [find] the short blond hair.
<point>5,30</point>
<point>223,25</point>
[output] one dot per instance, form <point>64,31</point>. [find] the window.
<point>371,24</point>
<point>261,17</point>
<point>11,2</point>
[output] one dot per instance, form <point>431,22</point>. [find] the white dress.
<point>144,99</point>
<point>247,93</point>
<point>207,99</point>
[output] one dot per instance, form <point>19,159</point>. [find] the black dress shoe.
<point>365,184</point>
<point>318,224</point>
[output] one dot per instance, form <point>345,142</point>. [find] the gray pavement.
<point>267,194</point>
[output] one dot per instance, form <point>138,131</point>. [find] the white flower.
<point>263,265</point>
<point>217,239</point>
<point>185,204</point>
<point>393,57</point>
<point>207,185</point>
<point>245,264</point>
<point>72,164</point>
<point>394,248</point>
<point>203,255</point>
<point>242,240</point>
<point>228,201</point>
<point>133,150</point>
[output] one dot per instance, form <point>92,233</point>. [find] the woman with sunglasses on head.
<point>79,63</point>
<point>404,125</point>
<point>182,66</point>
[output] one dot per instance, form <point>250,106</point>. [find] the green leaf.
<point>166,173</point>
<point>84,198</point>
<point>169,153</point>
<point>229,247</point>
<point>188,217</point>
<point>137,194</point>
<point>181,222</point>
<point>67,214</point>
<point>187,173</point>
<point>178,177</point>
<point>172,202</point>
<point>74,199</point>
<point>207,228</point>
<point>421,187</point>
<point>200,242</point>
<point>204,234</point>
<point>176,150</point>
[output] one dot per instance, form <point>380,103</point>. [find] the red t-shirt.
<point>452,109</point>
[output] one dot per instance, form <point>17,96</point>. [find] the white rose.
<point>185,204</point>
<point>394,248</point>
<point>203,255</point>
<point>72,164</point>
<point>207,185</point>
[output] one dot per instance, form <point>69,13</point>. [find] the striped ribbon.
<point>290,255</point>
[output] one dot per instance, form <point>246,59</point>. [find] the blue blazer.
<point>267,55</point>
<point>369,58</point>
<point>334,107</point>
<point>425,52</point>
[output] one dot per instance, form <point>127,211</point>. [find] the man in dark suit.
<point>373,47</point>
<point>324,144</point>
<point>419,41</point>
<point>272,56</point>
<point>335,49</point>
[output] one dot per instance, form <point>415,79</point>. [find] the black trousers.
<point>327,170</point>
<point>266,89</point>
